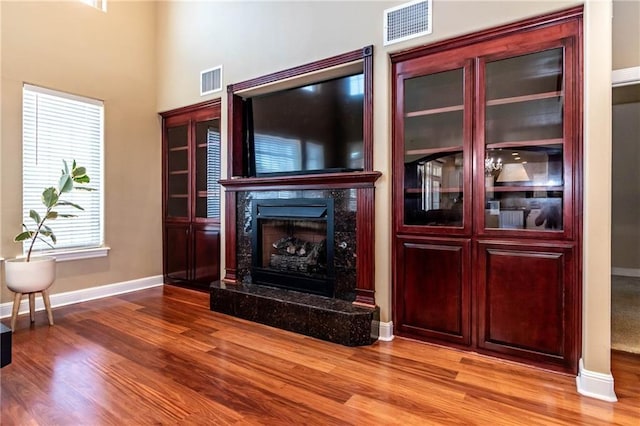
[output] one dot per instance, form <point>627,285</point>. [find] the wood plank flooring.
<point>159,356</point>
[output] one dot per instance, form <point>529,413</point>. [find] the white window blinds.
<point>213,172</point>
<point>57,126</point>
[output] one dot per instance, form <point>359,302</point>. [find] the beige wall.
<point>625,220</point>
<point>626,34</point>
<point>625,225</point>
<point>596,268</point>
<point>75,48</point>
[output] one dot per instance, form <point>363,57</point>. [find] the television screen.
<point>316,128</point>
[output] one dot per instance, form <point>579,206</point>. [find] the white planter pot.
<point>27,277</point>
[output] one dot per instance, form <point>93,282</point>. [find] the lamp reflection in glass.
<point>491,166</point>
<point>513,172</point>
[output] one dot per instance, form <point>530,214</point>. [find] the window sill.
<point>79,254</point>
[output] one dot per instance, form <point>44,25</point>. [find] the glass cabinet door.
<point>178,171</point>
<point>433,114</point>
<point>207,169</point>
<point>524,142</point>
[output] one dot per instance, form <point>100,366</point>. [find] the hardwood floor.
<point>159,356</point>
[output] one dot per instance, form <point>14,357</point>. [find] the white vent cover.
<point>211,80</point>
<point>407,21</point>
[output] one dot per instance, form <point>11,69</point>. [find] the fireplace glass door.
<point>293,245</point>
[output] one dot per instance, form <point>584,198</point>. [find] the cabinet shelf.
<point>432,111</point>
<point>179,148</point>
<point>439,190</point>
<point>179,172</point>
<point>178,196</point>
<point>519,144</point>
<point>526,98</point>
<point>525,188</point>
<point>429,151</point>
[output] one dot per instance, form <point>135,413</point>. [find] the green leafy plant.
<point>51,198</point>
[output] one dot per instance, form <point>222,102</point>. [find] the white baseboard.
<point>84,295</point>
<point>595,385</point>
<point>625,272</point>
<point>386,331</point>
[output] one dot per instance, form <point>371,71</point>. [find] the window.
<point>98,4</point>
<point>356,85</point>
<point>58,126</point>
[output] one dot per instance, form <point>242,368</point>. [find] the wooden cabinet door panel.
<point>432,289</point>
<point>206,254</point>
<point>527,300</point>
<point>176,258</point>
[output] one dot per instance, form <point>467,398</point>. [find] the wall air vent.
<point>407,21</point>
<point>211,80</point>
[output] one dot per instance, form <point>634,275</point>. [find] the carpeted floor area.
<point>625,313</point>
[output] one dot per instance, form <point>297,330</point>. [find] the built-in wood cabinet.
<point>487,184</point>
<point>191,202</point>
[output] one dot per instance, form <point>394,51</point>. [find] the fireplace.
<point>329,296</point>
<point>293,244</point>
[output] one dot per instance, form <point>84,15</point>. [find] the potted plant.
<point>27,274</point>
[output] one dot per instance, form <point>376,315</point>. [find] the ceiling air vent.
<point>407,21</point>
<point>211,80</point>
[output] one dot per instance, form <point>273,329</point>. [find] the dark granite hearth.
<point>334,320</point>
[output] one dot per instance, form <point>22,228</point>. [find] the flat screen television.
<point>317,128</point>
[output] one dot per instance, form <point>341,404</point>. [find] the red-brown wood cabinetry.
<point>176,245</point>
<point>527,300</point>
<point>435,298</point>
<point>487,179</point>
<point>191,202</point>
<point>206,252</point>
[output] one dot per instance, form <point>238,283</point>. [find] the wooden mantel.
<point>307,181</point>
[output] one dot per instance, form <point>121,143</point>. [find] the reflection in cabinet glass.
<point>177,137</point>
<point>178,175</point>
<point>433,144</point>
<point>524,103</point>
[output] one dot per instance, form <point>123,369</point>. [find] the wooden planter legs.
<point>32,307</point>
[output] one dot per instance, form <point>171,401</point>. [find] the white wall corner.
<point>386,331</point>
<point>595,385</point>
<point>84,295</point>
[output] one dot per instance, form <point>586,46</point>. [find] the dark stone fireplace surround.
<point>349,316</point>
